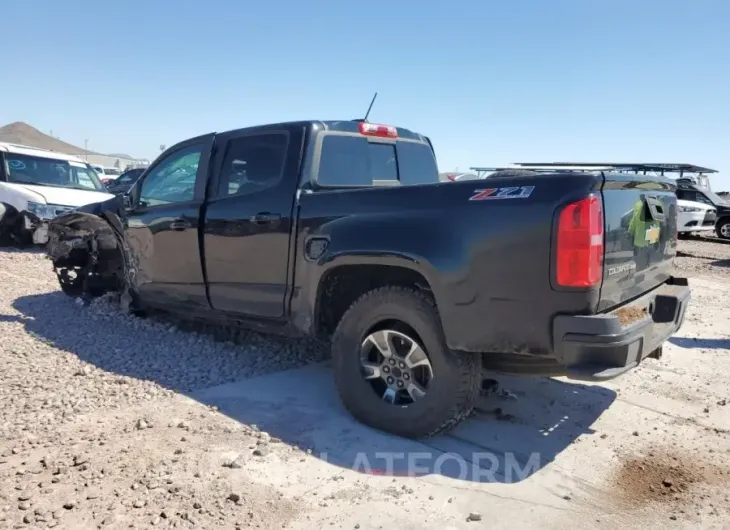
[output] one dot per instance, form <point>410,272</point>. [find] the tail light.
<point>580,244</point>
<point>451,176</point>
<point>372,129</point>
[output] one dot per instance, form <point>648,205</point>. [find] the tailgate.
<point>640,236</point>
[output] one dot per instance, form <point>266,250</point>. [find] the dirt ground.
<point>108,421</point>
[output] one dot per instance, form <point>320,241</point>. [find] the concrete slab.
<point>510,437</point>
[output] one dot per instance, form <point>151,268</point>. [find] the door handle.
<point>180,224</point>
<point>265,218</point>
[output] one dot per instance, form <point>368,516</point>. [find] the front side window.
<point>25,169</point>
<point>85,176</point>
<point>173,179</point>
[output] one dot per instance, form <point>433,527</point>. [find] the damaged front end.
<point>89,251</point>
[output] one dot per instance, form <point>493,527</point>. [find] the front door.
<point>163,227</point>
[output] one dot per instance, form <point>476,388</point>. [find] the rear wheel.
<point>722,229</point>
<point>392,367</point>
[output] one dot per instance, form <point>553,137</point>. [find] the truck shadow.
<point>515,431</point>
<point>511,436</point>
<point>685,342</point>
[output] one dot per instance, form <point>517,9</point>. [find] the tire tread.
<point>468,365</point>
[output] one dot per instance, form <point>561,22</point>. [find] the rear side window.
<point>355,161</point>
<point>416,163</point>
<point>253,163</point>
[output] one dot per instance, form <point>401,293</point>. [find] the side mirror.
<point>128,202</point>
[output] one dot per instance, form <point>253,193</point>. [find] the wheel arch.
<point>348,276</point>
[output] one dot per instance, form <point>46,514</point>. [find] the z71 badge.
<point>493,194</point>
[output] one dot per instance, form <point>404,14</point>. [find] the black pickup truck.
<point>341,230</point>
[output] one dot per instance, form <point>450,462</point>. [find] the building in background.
<point>24,134</point>
<point>121,162</point>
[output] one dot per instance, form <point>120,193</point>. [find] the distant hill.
<point>22,133</point>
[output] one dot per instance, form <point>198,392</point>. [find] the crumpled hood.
<point>114,203</point>
<point>109,214</point>
<point>63,196</point>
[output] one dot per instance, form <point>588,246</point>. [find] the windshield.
<point>714,197</point>
<point>24,169</point>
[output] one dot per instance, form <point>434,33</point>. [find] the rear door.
<point>163,227</point>
<point>640,235</point>
<point>249,217</point>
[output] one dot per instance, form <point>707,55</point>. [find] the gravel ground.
<point>703,256</point>
<point>72,377</point>
<point>96,430</point>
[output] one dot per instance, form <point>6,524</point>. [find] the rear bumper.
<point>601,347</point>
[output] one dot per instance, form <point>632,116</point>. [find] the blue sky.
<point>490,82</point>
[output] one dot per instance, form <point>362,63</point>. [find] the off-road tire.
<point>456,376</point>
<point>719,226</point>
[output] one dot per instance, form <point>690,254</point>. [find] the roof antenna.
<point>365,119</point>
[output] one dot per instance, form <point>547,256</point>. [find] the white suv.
<point>37,185</point>
<point>695,217</point>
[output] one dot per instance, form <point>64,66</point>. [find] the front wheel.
<point>392,367</point>
<point>722,229</point>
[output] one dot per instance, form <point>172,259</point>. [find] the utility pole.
<point>86,149</point>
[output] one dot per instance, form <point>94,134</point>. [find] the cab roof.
<point>345,126</point>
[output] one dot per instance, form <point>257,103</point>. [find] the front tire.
<point>722,229</point>
<point>392,367</point>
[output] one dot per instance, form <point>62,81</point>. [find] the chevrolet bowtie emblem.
<point>652,234</point>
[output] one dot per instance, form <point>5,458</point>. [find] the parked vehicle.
<point>111,174</point>
<point>689,191</point>
<point>695,217</point>
<point>106,174</point>
<point>99,170</point>
<point>341,230</point>
<point>693,189</point>
<point>37,185</point>
<point>125,181</point>
<point>459,176</point>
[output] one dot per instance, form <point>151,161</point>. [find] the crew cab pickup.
<point>341,230</point>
